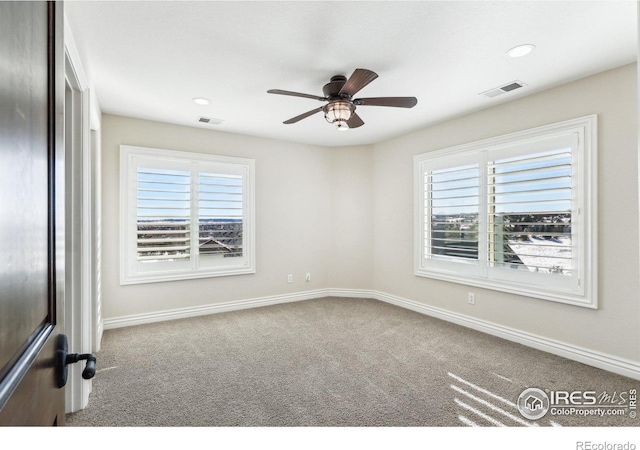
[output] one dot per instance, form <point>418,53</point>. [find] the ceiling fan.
<point>341,107</point>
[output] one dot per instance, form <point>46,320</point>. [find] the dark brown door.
<point>31,206</point>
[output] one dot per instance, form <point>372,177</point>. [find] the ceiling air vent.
<point>210,120</point>
<point>503,89</point>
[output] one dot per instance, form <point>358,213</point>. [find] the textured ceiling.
<point>149,59</point>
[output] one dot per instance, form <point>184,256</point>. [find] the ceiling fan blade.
<point>359,79</point>
<point>354,121</point>
<point>399,102</point>
<point>303,116</point>
<point>295,94</point>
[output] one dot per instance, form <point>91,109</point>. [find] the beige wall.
<point>351,236</point>
<point>293,216</point>
<point>613,328</point>
<point>346,216</point>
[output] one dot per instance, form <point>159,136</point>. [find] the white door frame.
<point>82,198</point>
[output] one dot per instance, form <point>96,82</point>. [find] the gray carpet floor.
<point>327,362</point>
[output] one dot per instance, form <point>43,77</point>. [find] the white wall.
<point>293,217</point>
<point>613,328</point>
<point>346,216</point>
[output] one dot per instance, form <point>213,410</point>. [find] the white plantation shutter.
<point>163,214</point>
<point>453,207</point>
<point>185,215</point>
<point>221,216</point>
<point>449,223</point>
<point>529,212</point>
<point>513,213</point>
<point>532,204</point>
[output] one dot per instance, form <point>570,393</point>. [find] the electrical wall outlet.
<point>472,298</point>
<point>307,277</point>
<point>289,278</point>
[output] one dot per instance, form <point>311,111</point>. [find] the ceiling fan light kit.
<point>338,113</point>
<point>341,107</point>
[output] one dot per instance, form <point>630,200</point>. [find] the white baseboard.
<point>183,313</point>
<point>597,359</point>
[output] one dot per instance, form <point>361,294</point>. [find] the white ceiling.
<point>149,59</point>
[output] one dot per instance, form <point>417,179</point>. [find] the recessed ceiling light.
<point>521,50</point>
<point>201,101</point>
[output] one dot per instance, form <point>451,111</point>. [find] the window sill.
<point>539,292</point>
<point>157,277</point>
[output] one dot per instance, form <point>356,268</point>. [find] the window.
<point>515,213</point>
<point>185,215</point>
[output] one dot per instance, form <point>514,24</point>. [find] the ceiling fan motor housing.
<point>332,88</point>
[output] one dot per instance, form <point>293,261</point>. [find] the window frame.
<point>582,290</point>
<point>197,163</point>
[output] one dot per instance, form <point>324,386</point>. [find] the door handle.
<point>63,358</point>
